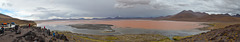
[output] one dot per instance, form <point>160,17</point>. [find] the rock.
<point>50,41</point>
<point>18,32</point>
<point>48,32</point>
<point>31,36</point>
<point>227,34</point>
<point>63,37</point>
<point>57,36</point>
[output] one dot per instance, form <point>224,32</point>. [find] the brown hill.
<point>228,34</point>
<point>202,17</point>
<point>8,19</point>
<point>189,14</point>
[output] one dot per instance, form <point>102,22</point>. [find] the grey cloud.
<point>221,6</point>
<point>3,4</point>
<point>182,4</point>
<point>40,8</point>
<point>47,13</point>
<point>46,9</point>
<point>225,6</point>
<point>6,4</point>
<point>131,3</point>
<point>234,6</point>
<point>98,9</point>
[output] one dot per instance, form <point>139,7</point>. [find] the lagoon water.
<point>167,28</point>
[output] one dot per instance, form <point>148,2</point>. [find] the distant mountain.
<point>189,15</point>
<point>107,18</point>
<point>8,19</point>
<point>129,18</point>
<point>237,15</point>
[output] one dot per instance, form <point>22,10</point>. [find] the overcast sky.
<point>50,9</point>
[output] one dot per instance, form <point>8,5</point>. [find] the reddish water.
<point>145,24</point>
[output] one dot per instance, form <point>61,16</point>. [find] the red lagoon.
<point>143,24</point>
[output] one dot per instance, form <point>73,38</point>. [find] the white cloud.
<point>9,14</point>
<point>30,8</point>
<point>30,18</point>
<point>25,13</point>
<point>55,17</point>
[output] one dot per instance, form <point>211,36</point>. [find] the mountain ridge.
<point>189,15</point>
<point>9,19</point>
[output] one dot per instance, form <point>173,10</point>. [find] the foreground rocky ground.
<point>30,34</point>
<point>228,34</point>
<point>38,34</point>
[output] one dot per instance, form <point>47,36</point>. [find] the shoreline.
<point>150,30</point>
<point>208,25</point>
<point>201,23</point>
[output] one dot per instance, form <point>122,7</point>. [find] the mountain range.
<point>189,15</point>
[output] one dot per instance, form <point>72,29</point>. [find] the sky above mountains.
<point>51,9</point>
